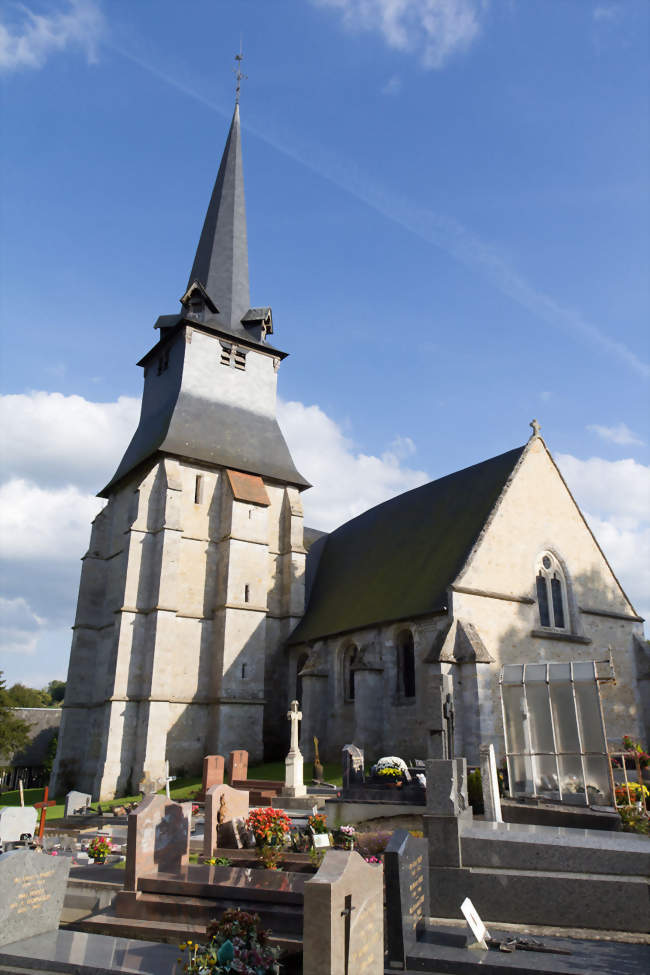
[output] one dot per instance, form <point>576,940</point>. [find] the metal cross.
<point>536,428</point>
<point>448,714</point>
<point>346,913</point>
<point>238,74</point>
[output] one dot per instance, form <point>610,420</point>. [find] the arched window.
<point>405,664</point>
<point>302,660</point>
<point>551,593</point>
<point>349,659</point>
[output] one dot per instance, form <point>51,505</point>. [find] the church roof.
<point>221,260</point>
<point>396,560</point>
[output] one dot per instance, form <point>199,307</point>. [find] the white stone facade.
<point>495,597</point>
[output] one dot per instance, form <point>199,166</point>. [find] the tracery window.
<point>551,593</point>
<point>405,665</point>
<point>349,660</point>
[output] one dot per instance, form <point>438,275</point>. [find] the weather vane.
<point>238,73</point>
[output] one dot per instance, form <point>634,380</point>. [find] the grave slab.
<point>76,953</point>
<point>158,838</point>
<point>222,805</point>
<point>406,864</point>
<point>238,766</point>
<point>32,890</point>
<point>76,803</point>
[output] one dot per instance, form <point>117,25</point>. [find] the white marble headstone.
<point>16,820</point>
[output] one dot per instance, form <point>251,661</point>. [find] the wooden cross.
<point>43,807</point>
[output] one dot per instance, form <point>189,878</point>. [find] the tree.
<point>21,696</point>
<point>56,690</point>
<point>14,732</point>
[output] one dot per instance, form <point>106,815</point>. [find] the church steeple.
<point>221,261</point>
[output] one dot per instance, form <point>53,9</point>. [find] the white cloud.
<point>619,434</point>
<point>33,37</point>
<point>54,439</point>
<point>50,524</point>
<point>433,29</point>
<point>393,86</point>
<point>19,626</point>
<point>606,11</point>
<point>346,481</point>
<point>615,499</point>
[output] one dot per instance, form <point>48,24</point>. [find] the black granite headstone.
<point>353,772</point>
<point>406,866</point>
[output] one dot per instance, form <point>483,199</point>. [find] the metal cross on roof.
<point>238,74</point>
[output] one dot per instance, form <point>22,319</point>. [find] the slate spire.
<point>221,261</point>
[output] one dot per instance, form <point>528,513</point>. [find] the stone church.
<point>425,626</point>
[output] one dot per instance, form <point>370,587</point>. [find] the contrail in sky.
<point>434,228</point>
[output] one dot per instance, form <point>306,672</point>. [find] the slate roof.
<point>396,560</point>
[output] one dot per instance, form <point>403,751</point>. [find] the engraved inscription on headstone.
<point>32,889</point>
<point>344,918</point>
<point>406,863</point>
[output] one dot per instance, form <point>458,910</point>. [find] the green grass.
<point>181,789</point>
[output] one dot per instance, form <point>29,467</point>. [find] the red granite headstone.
<point>222,804</point>
<point>238,766</point>
<point>158,838</point>
<point>213,771</point>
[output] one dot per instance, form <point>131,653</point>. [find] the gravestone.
<point>32,889</point>
<point>213,772</point>
<point>238,766</point>
<point>222,805</point>
<point>16,821</point>
<point>76,803</point>
<point>490,785</point>
<point>343,927</point>
<point>406,863</point>
<point>158,838</point>
<point>353,773</point>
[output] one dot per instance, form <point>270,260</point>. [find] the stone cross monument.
<point>293,783</point>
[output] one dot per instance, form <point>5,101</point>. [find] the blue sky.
<point>447,210</point>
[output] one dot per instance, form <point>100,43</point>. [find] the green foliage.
<point>56,690</point>
<point>633,821</point>
<point>21,696</point>
<point>14,732</point>
<point>236,945</point>
<point>475,791</point>
<point>50,754</point>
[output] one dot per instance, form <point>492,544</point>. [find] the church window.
<point>226,351</point>
<point>405,665</point>
<point>247,593</point>
<point>349,660</point>
<point>240,359</point>
<point>551,593</point>
<point>198,489</point>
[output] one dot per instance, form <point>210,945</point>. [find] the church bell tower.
<point>194,575</point>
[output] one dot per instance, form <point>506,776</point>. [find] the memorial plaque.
<point>343,929</point>
<point>476,925</point>
<point>406,863</point>
<point>16,821</point>
<point>32,889</point>
<point>321,841</point>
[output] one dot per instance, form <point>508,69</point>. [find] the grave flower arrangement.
<point>98,849</point>
<point>344,836</point>
<point>635,749</point>
<point>636,792</point>
<point>270,826</point>
<point>389,769</point>
<point>237,944</point>
<point>318,823</point>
